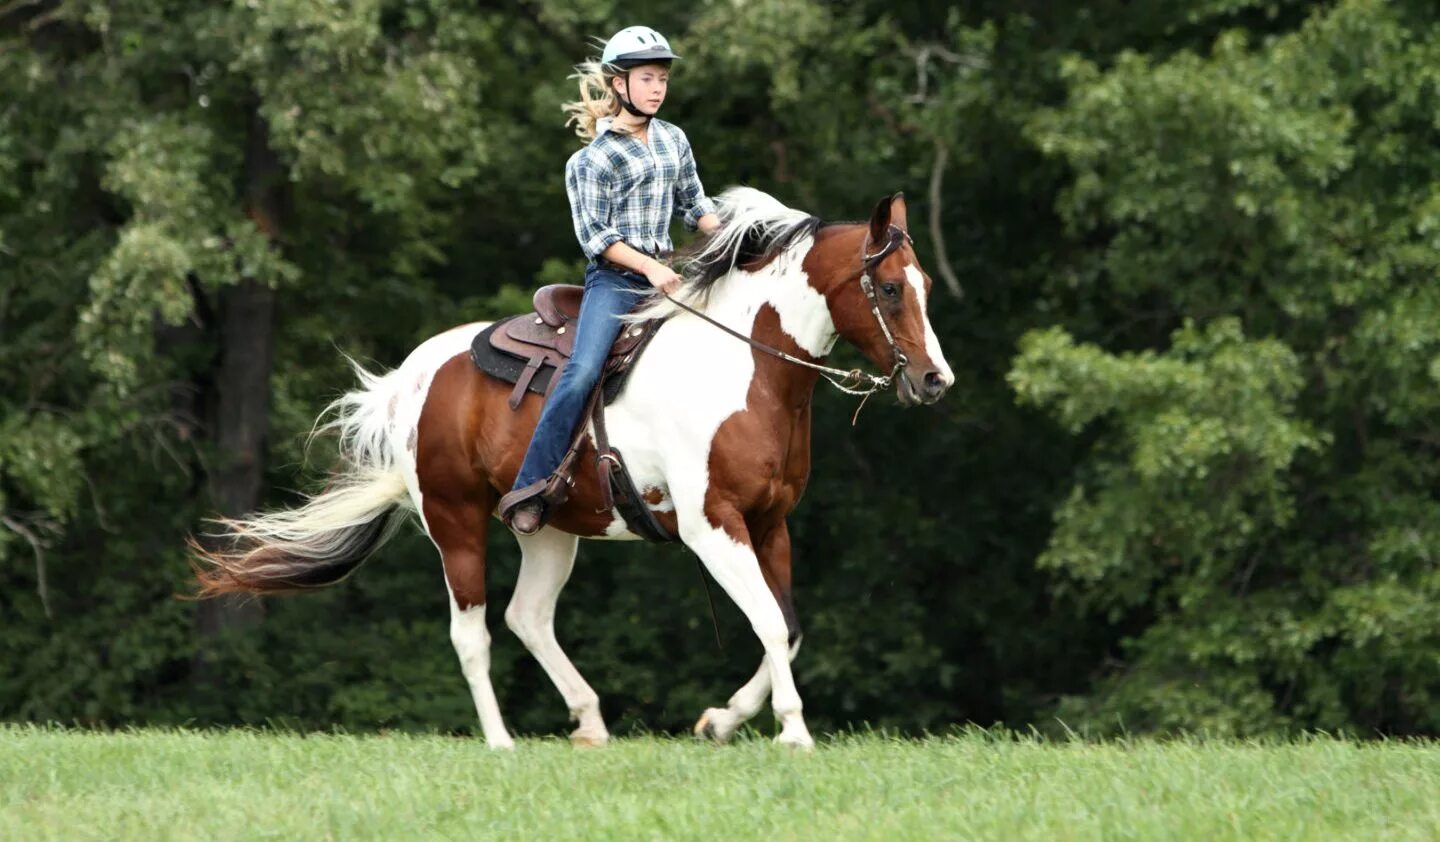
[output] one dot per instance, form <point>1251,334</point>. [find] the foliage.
<point>1187,478</point>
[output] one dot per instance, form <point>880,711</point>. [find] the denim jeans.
<point>609,294</point>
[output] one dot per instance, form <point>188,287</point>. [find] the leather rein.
<point>850,382</point>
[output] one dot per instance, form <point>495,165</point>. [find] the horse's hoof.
<point>505,744</point>
<point>795,736</point>
<point>802,743</point>
<point>586,739</point>
<point>717,725</point>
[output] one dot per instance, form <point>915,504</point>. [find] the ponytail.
<point>597,98</point>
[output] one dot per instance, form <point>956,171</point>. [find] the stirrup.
<point>512,501</point>
<point>551,491</point>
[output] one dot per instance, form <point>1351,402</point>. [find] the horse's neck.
<point>777,306</point>
<point>805,323</point>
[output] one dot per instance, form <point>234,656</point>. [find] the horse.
<point>715,430</point>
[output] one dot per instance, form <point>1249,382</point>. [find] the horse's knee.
<point>470,637</point>
<point>527,624</point>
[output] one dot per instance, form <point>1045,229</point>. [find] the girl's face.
<point>646,88</point>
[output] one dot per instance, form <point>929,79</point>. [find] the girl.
<point>623,187</point>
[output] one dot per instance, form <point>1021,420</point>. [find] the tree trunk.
<point>239,420</point>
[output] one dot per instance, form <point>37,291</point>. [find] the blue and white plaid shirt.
<point>623,189</point>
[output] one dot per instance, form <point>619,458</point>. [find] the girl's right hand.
<point>663,278</point>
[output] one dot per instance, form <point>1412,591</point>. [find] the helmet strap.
<point>625,102</point>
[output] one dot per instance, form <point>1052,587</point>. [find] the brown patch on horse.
<point>467,419</point>
<point>456,496</point>
<point>760,457</point>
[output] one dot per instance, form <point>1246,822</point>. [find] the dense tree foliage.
<point>1185,258</point>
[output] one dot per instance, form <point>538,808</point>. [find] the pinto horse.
<point>715,432</point>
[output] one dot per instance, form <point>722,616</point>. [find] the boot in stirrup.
<point>524,510</point>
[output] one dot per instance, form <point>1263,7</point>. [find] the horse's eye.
<point>890,290</point>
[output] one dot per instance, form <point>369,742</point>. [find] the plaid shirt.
<point>623,189</point>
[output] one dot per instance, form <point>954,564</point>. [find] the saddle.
<point>530,350</point>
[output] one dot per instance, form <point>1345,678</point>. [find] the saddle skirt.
<point>529,350</point>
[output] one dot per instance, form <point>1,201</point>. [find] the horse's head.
<point>877,294</point>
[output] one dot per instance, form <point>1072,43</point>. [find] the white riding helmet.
<point>636,45</point>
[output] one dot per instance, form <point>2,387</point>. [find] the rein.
<point>850,381</point>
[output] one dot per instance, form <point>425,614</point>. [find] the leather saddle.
<point>529,350</point>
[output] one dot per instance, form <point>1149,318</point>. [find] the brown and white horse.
<point>716,434</point>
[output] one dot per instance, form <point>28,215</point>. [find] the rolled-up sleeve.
<point>691,203</point>
<point>588,186</point>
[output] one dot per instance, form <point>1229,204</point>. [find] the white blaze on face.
<point>932,343</point>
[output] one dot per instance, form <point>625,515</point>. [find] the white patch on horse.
<point>804,314</point>
<point>932,343</point>
<point>471,638</point>
<point>546,560</point>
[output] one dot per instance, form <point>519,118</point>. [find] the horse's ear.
<point>897,211</point>
<point>890,211</point>
<point>880,221</point>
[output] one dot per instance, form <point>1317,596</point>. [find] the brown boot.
<point>523,510</point>
<point>528,517</point>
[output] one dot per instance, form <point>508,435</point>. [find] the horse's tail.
<point>327,537</point>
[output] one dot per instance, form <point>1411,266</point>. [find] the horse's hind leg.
<point>458,529</point>
<point>720,724</point>
<point>547,557</point>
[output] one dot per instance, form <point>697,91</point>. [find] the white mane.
<point>750,220</point>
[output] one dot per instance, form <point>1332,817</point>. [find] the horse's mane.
<point>753,226</point>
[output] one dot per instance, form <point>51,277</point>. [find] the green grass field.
<point>57,784</point>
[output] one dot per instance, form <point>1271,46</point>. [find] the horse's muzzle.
<point>932,388</point>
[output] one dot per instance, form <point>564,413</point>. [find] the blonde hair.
<point>597,98</point>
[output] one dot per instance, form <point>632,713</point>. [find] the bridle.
<point>897,236</point>
<point>854,381</point>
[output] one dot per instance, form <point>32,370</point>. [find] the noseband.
<point>896,237</point>
<point>849,382</point>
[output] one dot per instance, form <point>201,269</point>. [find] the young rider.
<point>623,187</point>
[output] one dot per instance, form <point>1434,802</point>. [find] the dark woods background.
<point>1185,258</point>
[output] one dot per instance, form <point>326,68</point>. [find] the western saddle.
<point>530,350</point>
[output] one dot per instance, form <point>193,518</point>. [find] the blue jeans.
<point>609,294</point>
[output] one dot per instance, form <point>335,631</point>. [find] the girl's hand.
<point>663,278</point>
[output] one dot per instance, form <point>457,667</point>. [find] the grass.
<point>58,784</point>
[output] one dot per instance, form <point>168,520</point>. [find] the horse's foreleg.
<point>773,554</point>
<point>547,558</point>
<point>458,530</point>
<point>728,555</point>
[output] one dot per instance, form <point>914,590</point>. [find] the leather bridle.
<point>850,382</point>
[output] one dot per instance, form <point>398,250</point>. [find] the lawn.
<point>59,784</point>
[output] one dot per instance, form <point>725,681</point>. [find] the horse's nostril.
<point>934,383</point>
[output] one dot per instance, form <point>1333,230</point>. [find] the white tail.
<point>333,532</point>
